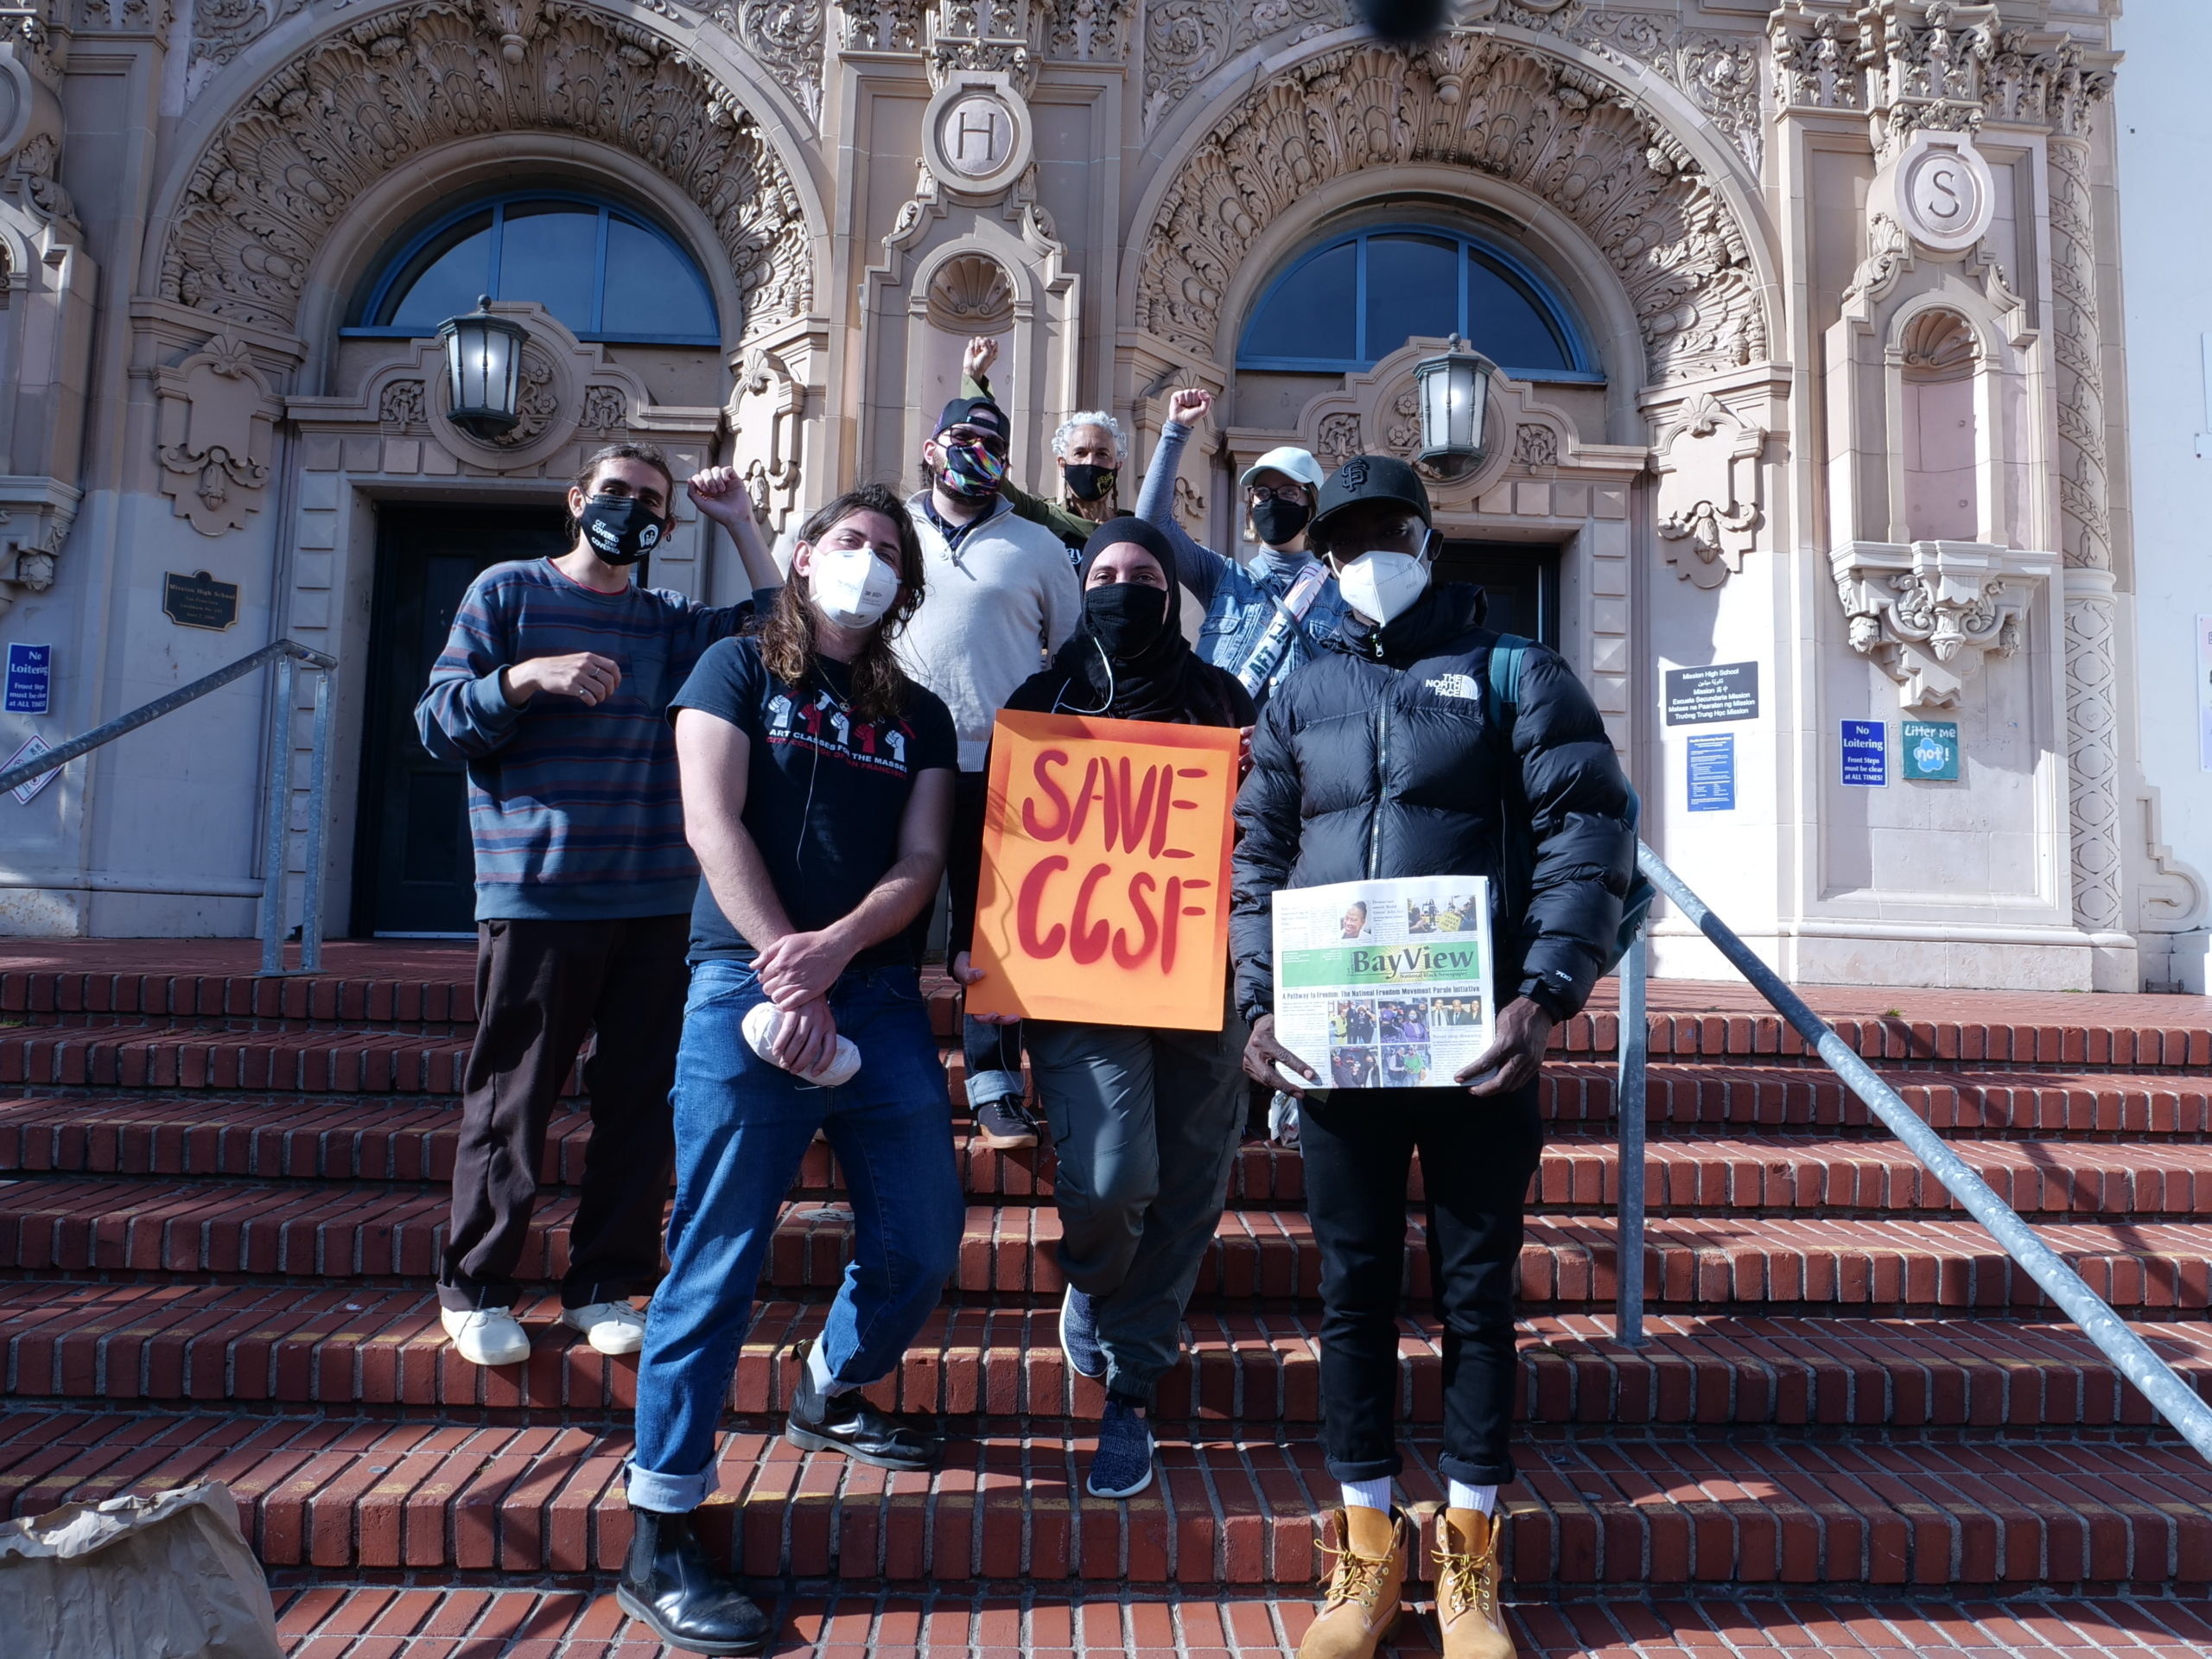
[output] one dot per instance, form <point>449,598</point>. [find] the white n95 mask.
<point>851,586</point>
<point>1384,586</point>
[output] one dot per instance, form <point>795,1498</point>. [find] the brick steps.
<point>287,1141</point>
<point>1938,1511</point>
<point>72,1226</point>
<point>424,1076</point>
<point>386,982</point>
<point>172,1344</point>
<point>346,1620</point>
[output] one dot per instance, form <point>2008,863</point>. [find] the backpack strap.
<point>1506,657</point>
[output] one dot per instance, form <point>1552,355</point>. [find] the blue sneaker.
<point>1122,1467</point>
<point>1079,1335</point>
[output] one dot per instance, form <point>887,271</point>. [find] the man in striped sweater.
<point>553,686</point>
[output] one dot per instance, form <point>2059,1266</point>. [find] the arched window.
<point>1349,303</point>
<point>607,273</point>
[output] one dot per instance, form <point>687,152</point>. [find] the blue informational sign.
<point>30,679</point>
<point>1712,773</point>
<point>1930,751</point>
<point>1866,753</point>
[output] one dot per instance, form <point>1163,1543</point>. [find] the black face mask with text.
<point>1087,482</point>
<point>620,529</point>
<point>1125,618</point>
<point>1279,521</point>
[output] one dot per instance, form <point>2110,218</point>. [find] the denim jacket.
<point>1240,600</point>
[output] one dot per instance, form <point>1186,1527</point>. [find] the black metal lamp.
<point>1455,390</point>
<point>483,370</point>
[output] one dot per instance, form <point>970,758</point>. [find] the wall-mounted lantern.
<point>484,370</point>
<point>1454,392</point>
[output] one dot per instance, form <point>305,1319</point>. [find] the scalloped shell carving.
<point>971,295</point>
<point>1938,345</point>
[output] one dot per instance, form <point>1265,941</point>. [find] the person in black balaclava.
<point>1146,1123</point>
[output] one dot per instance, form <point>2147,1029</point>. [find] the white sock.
<point>1368,1494</point>
<point>819,1369</point>
<point>1481,1499</point>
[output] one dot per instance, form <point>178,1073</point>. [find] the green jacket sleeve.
<point>1070,527</point>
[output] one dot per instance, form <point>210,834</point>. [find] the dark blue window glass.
<point>606,273</point>
<point>1412,287</point>
<point>1351,302</point>
<point>1316,315</point>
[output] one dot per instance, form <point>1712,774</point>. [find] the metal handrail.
<point>2173,1398</point>
<point>289,656</point>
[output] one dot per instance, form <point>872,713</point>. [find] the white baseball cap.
<point>1290,462</point>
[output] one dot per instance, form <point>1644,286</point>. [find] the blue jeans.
<point>741,1127</point>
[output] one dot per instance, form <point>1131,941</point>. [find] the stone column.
<point>2091,715</point>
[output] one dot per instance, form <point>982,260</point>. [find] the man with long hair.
<point>817,793</point>
<point>551,687</point>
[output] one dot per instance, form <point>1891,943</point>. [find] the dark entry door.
<point>1521,581</point>
<point>413,871</point>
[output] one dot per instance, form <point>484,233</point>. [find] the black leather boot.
<point>671,1588</point>
<point>845,1422</point>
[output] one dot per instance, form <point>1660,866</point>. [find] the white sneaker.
<point>487,1336</point>
<point>611,1327</point>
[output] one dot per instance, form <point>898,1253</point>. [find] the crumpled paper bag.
<point>166,1576</point>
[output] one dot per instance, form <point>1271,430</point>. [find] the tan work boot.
<point>1466,1586</point>
<point>1362,1604</point>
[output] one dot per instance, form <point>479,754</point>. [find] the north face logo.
<point>1455,685</point>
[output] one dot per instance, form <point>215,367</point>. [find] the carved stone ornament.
<point>1815,59</point>
<point>17,97</point>
<point>765,418</point>
<point>1939,191</point>
<point>1929,611</point>
<point>216,411</point>
<point>1560,132</point>
<point>1709,509</point>
<point>997,37</point>
<point>359,102</point>
<point>1927,63</point>
<point>971,295</point>
<point>35,514</point>
<point>976,137</point>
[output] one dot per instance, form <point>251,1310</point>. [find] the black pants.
<point>1477,1157</point>
<point>993,1052</point>
<point>541,988</point>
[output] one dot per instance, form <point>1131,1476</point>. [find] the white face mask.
<point>851,586</point>
<point>1382,586</point>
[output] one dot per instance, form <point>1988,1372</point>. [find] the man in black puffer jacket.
<point>1383,758</point>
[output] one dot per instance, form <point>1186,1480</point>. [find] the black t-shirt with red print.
<point>824,792</point>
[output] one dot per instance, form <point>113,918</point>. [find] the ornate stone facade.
<point>1567,136</point>
<point>393,86</point>
<point>1830,282</point>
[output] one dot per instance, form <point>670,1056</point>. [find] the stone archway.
<point>1557,130</point>
<point>273,184</point>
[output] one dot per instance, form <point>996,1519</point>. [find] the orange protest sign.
<point>1105,887</point>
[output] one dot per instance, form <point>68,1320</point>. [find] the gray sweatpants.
<point>1145,1124</point>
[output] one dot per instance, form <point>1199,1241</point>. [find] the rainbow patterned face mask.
<point>970,471</point>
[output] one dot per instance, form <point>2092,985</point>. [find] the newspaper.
<point>1384,984</point>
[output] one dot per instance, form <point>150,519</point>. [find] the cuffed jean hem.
<point>984,1087</point>
<point>667,1493</point>
<point>464,1299</point>
<point>1476,1474</point>
<point>1373,1469</point>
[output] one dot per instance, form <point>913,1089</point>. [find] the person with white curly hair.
<point>1090,448</point>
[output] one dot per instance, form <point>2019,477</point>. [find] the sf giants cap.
<point>1290,462</point>
<point>1370,478</point>
<point>979,412</point>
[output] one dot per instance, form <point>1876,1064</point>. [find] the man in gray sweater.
<point>1000,599</point>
